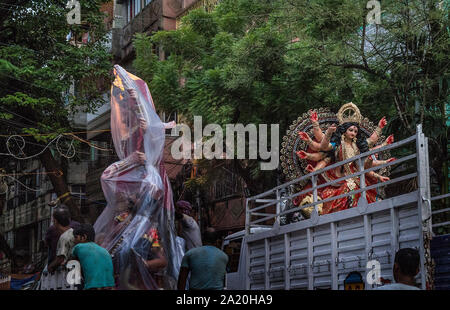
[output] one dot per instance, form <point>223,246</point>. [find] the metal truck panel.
<point>320,257</point>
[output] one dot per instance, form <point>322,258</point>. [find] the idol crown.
<point>349,112</point>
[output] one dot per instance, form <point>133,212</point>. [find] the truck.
<point>326,251</point>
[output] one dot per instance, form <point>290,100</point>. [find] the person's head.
<point>182,207</point>
<point>352,131</point>
<point>22,258</point>
<point>84,233</point>
<point>406,265</point>
<point>210,236</point>
<point>61,217</point>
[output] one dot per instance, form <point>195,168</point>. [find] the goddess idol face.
<point>351,132</point>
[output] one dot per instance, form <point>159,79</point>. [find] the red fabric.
<point>338,189</point>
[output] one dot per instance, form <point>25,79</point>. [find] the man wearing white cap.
<point>189,229</point>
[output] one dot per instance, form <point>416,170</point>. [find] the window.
<point>38,181</point>
<point>134,7</point>
<point>227,185</point>
<point>167,118</point>
<point>10,239</point>
<point>9,204</point>
<point>130,10</point>
<point>30,195</point>
<point>94,153</point>
<point>42,229</point>
<point>21,191</point>
<point>79,192</point>
<point>137,7</point>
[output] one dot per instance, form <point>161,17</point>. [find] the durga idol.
<point>340,142</point>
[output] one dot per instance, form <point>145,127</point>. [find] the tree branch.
<point>363,40</point>
<point>403,118</point>
<point>360,67</point>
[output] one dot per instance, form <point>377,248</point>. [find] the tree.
<point>253,61</point>
<point>234,71</point>
<point>400,65</point>
<point>41,57</point>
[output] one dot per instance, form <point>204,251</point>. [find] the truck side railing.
<point>358,235</point>
<point>445,210</point>
<point>272,197</point>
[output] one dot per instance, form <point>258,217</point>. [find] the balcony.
<point>148,20</point>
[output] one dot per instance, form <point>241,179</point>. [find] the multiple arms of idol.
<point>325,146</point>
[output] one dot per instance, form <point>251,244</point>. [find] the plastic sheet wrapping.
<point>137,225</point>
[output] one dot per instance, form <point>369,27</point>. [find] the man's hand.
<point>182,277</point>
<point>169,125</point>
<point>59,260</point>
<point>133,93</point>
<point>383,179</point>
<point>143,123</point>
<point>157,264</point>
<point>141,158</point>
<point>382,122</point>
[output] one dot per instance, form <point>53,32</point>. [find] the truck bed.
<point>320,252</point>
<point>308,255</point>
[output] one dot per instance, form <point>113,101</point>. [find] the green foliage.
<point>38,65</point>
<point>254,61</point>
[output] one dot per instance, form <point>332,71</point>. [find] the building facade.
<point>26,190</point>
<point>25,214</point>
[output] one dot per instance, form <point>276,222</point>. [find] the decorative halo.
<point>292,166</point>
<point>349,112</point>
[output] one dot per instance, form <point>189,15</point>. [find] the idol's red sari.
<point>340,187</point>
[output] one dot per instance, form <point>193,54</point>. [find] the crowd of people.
<point>203,265</point>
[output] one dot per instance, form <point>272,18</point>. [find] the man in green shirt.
<point>96,263</point>
<point>206,265</point>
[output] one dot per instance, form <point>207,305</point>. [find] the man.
<point>61,220</point>
<point>188,228</point>
<point>96,263</point>
<point>406,267</point>
<point>52,236</point>
<point>206,264</point>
